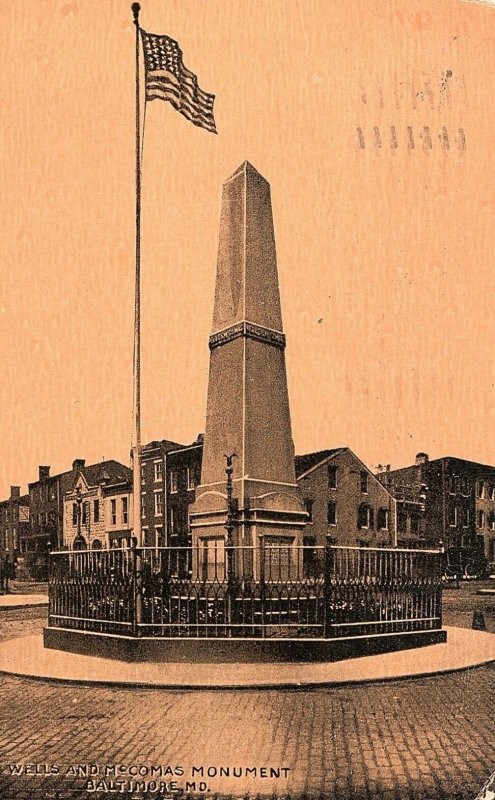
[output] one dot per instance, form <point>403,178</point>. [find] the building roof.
<point>310,460</point>
<point>103,472</point>
<point>435,462</point>
<point>163,444</point>
<point>106,472</point>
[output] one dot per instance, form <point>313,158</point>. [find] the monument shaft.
<point>248,406</point>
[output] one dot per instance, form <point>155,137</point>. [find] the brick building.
<point>14,524</point>
<point>344,500</point>
<point>98,506</point>
<point>457,500</point>
<point>170,473</point>
<point>46,502</point>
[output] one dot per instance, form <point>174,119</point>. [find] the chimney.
<point>44,473</point>
<point>421,459</point>
<point>15,492</point>
<point>78,463</point>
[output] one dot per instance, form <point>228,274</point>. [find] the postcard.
<point>247,479</point>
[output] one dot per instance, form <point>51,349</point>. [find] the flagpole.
<point>136,471</point>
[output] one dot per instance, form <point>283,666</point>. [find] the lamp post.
<point>230,522</point>
<point>229,544</point>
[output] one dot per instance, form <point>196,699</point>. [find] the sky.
<point>385,251</point>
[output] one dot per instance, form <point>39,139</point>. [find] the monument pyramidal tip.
<point>248,406</point>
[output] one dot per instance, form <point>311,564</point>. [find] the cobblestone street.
<point>423,739</point>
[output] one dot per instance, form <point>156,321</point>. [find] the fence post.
<point>137,587</point>
<point>439,577</point>
<point>262,584</point>
<point>230,585</point>
<point>327,590</point>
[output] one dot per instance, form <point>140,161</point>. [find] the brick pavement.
<point>428,739</point>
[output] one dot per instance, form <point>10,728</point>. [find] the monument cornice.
<point>247,330</point>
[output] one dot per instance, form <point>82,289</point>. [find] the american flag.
<point>166,78</point>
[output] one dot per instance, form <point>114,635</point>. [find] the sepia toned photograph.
<point>247,479</point>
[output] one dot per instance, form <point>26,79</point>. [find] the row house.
<point>170,473</point>
<point>47,502</point>
<point>98,507</point>
<point>346,504</point>
<point>457,500</point>
<point>14,524</point>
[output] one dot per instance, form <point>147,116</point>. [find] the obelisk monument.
<point>248,405</point>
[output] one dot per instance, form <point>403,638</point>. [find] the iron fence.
<point>266,591</point>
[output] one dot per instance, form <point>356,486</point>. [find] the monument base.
<point>224,651</point>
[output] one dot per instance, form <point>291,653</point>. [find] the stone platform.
<point>463,650</point>
<point>233,650</point>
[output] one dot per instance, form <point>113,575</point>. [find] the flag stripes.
<point>166,78</point>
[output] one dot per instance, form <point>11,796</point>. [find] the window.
<point>415,524</point>
<point>148,538</point>
<point>125,511</point>
<point>158,503</point>
<point>172,521</point>
<point>174,481</point>
<point>363,479</point>
<point>308,505</point>
<point>332,476</point>
<point>212,559</point>
<point>480,521</point>
<point>142,472</point>
<point>143,505</point>
<point>85,513</point>
<point>364,516</point>
<point>191,478</point>
<point>466,517</point>
<point>113,511</point>
<point>310,559</point>
<point>452,484</point>
<point>74,513</point>
<point>332,513</point>
<point>382,519</point>
<point>492,521</point>
<point>464,486</point>
<point>96,510</point>
<point>158,471</point>
<point>481,489</point>
<point>492,491</point>
<point>280,559</point>
<point>453,516</point>
<point>160,541</point>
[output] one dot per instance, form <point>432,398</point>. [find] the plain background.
<point>385,254</point>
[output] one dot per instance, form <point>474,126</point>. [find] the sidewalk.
<point>23,594</point>
<point>28,587</point>
<point>22,600</point>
